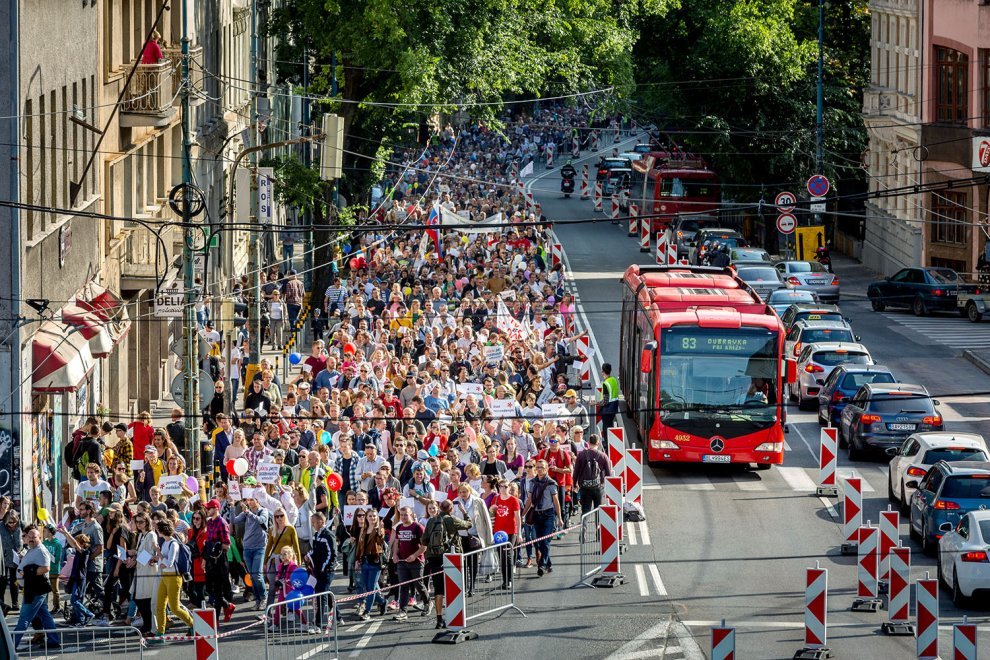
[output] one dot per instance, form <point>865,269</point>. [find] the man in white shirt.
<point>90,489</point>
<point>369,465</point>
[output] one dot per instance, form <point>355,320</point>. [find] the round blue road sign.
<point>818,185</point>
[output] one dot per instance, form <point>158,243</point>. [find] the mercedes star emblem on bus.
<point>717,444</point>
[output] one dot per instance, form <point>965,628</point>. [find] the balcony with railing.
<point>174,55</point>
<point>149,99</point>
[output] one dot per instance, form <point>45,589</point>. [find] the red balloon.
<point>354,263</point>
<point>230,466</point>
<point>350,348</point>
<point>334,481</point>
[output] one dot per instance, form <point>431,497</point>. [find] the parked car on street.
<point>810,276</point>
<point>881,415</point>
<point>922,290</point>
<point>947,493</point>
<point>921,451</point>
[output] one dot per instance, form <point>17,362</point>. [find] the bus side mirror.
<point>791,372</point>
<point>646,357</point>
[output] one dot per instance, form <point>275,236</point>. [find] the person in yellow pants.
<point>170,586</point>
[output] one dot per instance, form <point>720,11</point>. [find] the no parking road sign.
<point>785,201</point>
<point>786,223</point>
<point>818,185</point>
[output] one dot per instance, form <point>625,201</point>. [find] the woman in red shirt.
<point>505,512</point>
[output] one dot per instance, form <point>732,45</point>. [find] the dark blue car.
<point>948,492</point>
<point>840,386</point>
<point>922,290</point>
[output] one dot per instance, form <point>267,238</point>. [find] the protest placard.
<point>268,473</point>
<point>234,490</point>
<point>503,407</point>
<point>171,485</point>
<point>464,389</point>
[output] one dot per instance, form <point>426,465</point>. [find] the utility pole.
<point>819,127</point>
<point>190,365</point>
<point>307,228</point>
<point>254,256</point>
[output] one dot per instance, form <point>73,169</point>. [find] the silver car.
<point>810,276</point>
<point>763,279</point>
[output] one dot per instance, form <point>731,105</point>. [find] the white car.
<point>638,152</point>
<point>920,451</point>
<point>816,362</point>
<point>963,562</point>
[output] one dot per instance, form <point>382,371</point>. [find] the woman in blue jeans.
<point>369,557</point>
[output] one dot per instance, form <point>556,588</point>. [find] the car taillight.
<point>945,505</point>
<point>871,419</point>
<point>680,234</point>
<point>916,471</point>
<point>814,369</point>
<point>797,348</point>
<point>976,555</point>
<point>793,281</point>
<point>934,420</point>
<point>937,292</point>
<point>836,396</point>
<point>602,172</point>
<point>835,281</point>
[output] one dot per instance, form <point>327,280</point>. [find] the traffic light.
<point>332,147</point>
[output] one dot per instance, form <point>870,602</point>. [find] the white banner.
<point>266,213</point>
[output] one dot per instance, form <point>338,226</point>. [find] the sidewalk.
<point>854,277</point>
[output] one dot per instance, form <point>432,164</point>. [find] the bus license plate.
<point>900,427</point>
<point>716,458</point>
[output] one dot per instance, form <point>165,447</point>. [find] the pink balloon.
<point>240,467</point>
<point>192,484</point>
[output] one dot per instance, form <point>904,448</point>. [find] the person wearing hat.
<point>147,478</point>
<point>577,414</point>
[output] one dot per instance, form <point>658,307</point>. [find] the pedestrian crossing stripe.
<point>955,332</point>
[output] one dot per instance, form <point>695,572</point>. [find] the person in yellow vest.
<point>609,406</point>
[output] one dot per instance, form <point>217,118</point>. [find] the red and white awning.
<point>61,358</point>
<point>94,329</point>
<point>108,306</point>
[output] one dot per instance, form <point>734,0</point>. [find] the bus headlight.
<point>771,446</point>
<point>663,444</point>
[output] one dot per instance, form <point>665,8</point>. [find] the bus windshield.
<point>719,380</point>
<point>678,187</point>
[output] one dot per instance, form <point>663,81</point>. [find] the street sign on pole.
<point>169,302</point>
<point>205,385</point>
<point>818,185</point>
<point>817,205</point>
<point>785,201</point>
<point>786,223</point>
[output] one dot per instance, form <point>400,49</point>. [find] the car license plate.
<point>900,427</point>
<point>817,282</point>
<point>716,458</point>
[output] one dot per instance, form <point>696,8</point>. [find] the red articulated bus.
<point>677,183</point>
<point>701,366</point>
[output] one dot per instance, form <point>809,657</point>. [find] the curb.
<point>978,361</point>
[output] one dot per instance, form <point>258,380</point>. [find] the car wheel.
<point>841,439</point>
<point>957,595</point>
<point>973,314</point>
<point>904,502</point>
<point>822,421</point>
<point>890,489</point>
<point>804,404</point>
<point>911,531</point>
<point>855,453</point>
<point>918,307</point>
<point>877,303</point>
<point>790,393</point>
<point>928,546</point>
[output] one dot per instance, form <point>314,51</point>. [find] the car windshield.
<point>943,275</point>
<point>832,358</point>
<point>716,380</point>
<point>821,335</point>
<point>756,274</point>
<point>966,487</point>
<point>855,381</point>
<point>904,403</point>
<point>790,297</point>
<point>805,267</point>
<point>933,456</point>
<point>750,255</point>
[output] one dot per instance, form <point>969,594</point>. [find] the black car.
<point>810,312</point>
<point>881,415</point>
<point>922,290</point>
<point>606,165</point>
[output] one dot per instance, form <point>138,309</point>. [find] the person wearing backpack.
<point>175,561</point>
<point>440,537</point>
<point>589,474</point>
<point>81,453</point>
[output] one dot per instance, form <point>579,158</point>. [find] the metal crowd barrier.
<point>122,641</point>
<point>305,626</point>
<point>488,580</point>
<point>589,540</point>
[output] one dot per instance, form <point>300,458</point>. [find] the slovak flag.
<point>435,219</point>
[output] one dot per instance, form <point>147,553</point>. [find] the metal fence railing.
<point>589,541</point>
<point>89,642</point>
<point>303,626</point>
<point>488,580</point>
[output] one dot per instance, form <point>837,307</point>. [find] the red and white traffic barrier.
<point>584,182</point>
<point>671,252</point>
<point>549,158</point>
<point>613,496</point>
<point>815,613</point>
<point>610,518</point>
<point>964,646</point>
<point>575,146</point>
<point>899,594</point>
<point>594,140</point>
<point>584,352</point>
<point>616,439</point>
<point>205,633</point>
<point>598,196</point>
<point>866,570</point>
<point>644,235</point>
<point>454,604</point>
<point>614,208</point>
<point>852,513</point>
<point>662,248</point>
<point>530,202</point>
<point>633,220</point>
<point>556,253</point>
<point>890,523</point>
<point>634,476</point>
<point>521,187</point>
<point>827,453</point>
<point>926,640</point>
<point>723,642</point>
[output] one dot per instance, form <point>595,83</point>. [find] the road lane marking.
<point>689,646</point>
<point>697,482</point>
<point>631,533</point>
<point>644,533</point>
<point>634,648</point>
<point>787,447</point>
<point>797,478</point>
<point>644,588</point>
<point>655,573</point>
<point>366,638</point>
<point>652,487</point>
<point>311,652</point>
<point>749,484</point>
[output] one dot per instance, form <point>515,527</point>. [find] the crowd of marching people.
<point>437,411</point>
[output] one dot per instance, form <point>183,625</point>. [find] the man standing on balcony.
<point>152,53</point>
